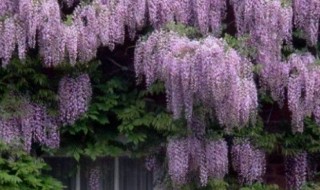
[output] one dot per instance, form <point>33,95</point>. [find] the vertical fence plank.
<point>64,169</point>
<point>133,175</point>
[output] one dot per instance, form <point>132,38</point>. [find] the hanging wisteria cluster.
<point>104,22</point>
<point>306,18</point>
<point>34,125</point>
<point>296,170</point>
<point>248,161</point>
<point>99,23</point>
<point>74,98</point>
<point>303,87</point>
<point>204,71</point>
<point>269,24</point>
<point>185,155</point>
<point>94,178</point>
<point>216,163</point>
<point>178,160</point>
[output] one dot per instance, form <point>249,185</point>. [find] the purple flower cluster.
<point>296,170</point>
<point>152,163</point>
<point>205,14</point>
<point>248,161</point>
<point>8,7</point>
<point>74,97</point>
<point>94,178</point>
<point>306,18</point>
<point>206,71</point>
<point>104,22</point>
<point>302,89</point>
<point>268,23</point>
<point>209,158</point>
<point>9,130</point>
<point>51,37</point>
<point>100,22</point>
<point>35,125</point>
<point>178,160</point>
<point>299,77</point>
<point>216,160</point>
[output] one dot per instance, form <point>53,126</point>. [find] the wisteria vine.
<point>220,77</point>
<point>195,72</point>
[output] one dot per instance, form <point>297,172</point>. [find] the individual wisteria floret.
<point>204,71</point>
<point>74,97</point>
<point>94,178</point>
<point>296,170</point>
<point>248,161</point>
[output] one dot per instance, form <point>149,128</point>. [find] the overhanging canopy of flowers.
<point>202,71</point>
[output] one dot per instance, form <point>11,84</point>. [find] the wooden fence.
<point>116,173</point>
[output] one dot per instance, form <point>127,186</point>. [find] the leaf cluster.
<point>19,170</point>
<point>121,119</point>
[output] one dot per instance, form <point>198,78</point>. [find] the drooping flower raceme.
<point>151,163</point>
<point>296,170</point>
<point>301,88</point>
<point>74,97</point>
<point>34,125</point>
<point>94,178</point>
<point>51,37</point>
<point>204,71</point>
<point>269,24</point>
<point>216,163</point>
<point>248,161</point>
<point>178,160</point>
<point>100,22</point>
<point>206,158</point>
<point>307,18</point>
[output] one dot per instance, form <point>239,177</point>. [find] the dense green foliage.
<point>19,170</point>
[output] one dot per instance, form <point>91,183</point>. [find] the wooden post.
<point>116,174</point>
<point>78,182</point>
